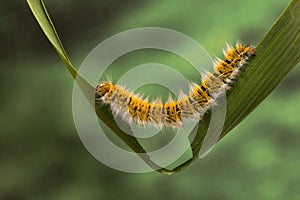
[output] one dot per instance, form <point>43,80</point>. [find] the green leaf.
<point>40,13</point>
<point>277,53</point>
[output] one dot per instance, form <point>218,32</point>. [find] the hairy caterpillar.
<point>134,108</point>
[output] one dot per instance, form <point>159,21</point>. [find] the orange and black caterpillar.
<point>134,108</point>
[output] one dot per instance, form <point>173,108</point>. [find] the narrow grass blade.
<point>40,13</point>
<point>277,53</point>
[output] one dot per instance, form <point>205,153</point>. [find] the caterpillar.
<point>173,113</point>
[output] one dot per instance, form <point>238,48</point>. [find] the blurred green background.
<point>41,155</point>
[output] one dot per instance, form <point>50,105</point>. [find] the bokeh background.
<point>41,155</point>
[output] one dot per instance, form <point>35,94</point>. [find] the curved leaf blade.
<point>277,53</point>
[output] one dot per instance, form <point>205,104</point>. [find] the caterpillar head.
<point>104,90</point>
